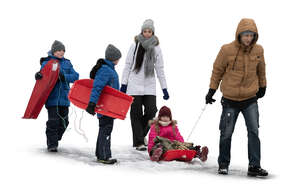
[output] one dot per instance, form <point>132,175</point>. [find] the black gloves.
<point>62,77</point>
<point>261,92</point>
<point>38,76</point>
<point>166,94</point>
<point>91,108</point>
<point>209,96</point>
<point>123,88</point>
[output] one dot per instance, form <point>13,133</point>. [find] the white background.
<point>191,34</point>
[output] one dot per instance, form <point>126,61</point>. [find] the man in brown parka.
<point>240,67</point>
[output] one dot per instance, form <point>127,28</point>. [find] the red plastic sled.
<point>42,89</point>
<point>111,102</point>
<point>179,155</point>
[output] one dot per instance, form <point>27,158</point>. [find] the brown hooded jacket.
<point>240,68</point>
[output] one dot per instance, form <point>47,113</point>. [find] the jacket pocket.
<point>254,61</point>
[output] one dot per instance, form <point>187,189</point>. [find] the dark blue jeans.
<point>56,125</point>
<point>227,124</point>
<point>103,151</point>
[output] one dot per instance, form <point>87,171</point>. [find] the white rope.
<point>203,109</point>
<point>80,128</point>
<point>80,131</point>
<point>72,111</point>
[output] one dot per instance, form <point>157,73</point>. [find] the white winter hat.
<point>148,24</point>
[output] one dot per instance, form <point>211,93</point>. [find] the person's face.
<point>165,118</point>
<point>59,54</point>
<point>116,62</point>
<point>147,33</point>
<point>247,39</point>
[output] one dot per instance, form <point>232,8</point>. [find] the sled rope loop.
<point>80,131</point>
<point>195,125</point>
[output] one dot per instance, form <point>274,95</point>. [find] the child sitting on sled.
<point>164,135</point>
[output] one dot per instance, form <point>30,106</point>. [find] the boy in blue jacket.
<point>58,103</point>
<point>104,73</point>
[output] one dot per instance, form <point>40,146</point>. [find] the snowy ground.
<point>191,34</point>
<point>130,159</point>
<point>29,168</point>
<point>74,170</point>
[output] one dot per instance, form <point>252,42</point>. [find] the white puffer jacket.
<point>137,83</point>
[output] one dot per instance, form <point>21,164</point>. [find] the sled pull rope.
<point>80,131</point>
<point>202,111</point>
<point>57,110</point>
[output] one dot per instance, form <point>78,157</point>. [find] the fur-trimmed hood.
<point>156,121</point>
<point>156,124</point>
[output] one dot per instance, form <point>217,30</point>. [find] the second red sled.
<point>112,102</point>
<point>42,89</point>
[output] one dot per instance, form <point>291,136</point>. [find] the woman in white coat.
<point>144,61</point>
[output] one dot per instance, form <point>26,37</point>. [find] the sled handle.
<point>195,125</point>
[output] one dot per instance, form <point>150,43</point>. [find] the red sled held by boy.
<point>112,102</point>
<point>42,89</point>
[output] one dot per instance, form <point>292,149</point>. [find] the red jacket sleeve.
<point>178,135</point>
<point>152,136</point>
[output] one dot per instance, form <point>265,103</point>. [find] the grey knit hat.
<point>57,46</point>
<point>112,53</point>
<point>148,24</point>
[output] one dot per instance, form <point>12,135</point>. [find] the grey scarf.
<point>148,45</point>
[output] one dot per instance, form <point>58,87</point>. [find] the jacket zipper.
<point>243,78</point>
